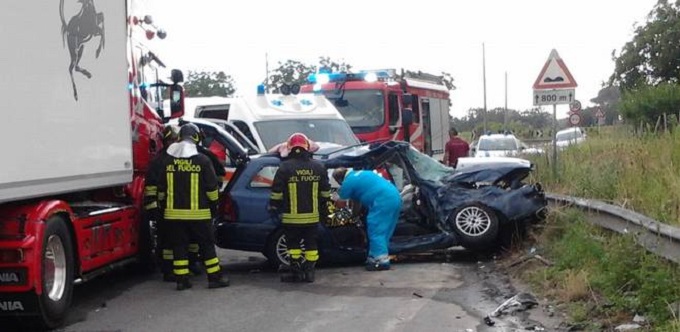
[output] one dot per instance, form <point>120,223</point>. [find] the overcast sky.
<point>428,35</point>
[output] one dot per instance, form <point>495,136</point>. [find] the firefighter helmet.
<point>170,134</point>
<point>191,132</point>
<point>298,140</point>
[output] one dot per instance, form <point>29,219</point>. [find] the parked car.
<point>442,207</point>
<point>502,145</point>
<point>570,136</point>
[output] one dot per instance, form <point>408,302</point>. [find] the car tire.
<point>57,273</point>
<point>276,249</point>
<point>476,226</point>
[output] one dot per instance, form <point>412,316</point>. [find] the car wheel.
<point>57,272</point>
<point>277,249</point>
<point>476,226</point>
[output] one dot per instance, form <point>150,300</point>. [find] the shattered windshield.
<point>365,109</point>
<point>426,167</point>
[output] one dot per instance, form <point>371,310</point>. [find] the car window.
<point>264,178</point>
<point>426,167</point>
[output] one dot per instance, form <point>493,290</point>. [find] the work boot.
<point>308,268</point>
<point>183,283</point>
<point>217,280</point>
<point>296,274</point>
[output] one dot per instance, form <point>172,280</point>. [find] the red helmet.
<point>298,140</point>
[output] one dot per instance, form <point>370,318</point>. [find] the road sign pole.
<point>554,142</point>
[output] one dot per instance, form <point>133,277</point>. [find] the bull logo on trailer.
<point>80,29</point>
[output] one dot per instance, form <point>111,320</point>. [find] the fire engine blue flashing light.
<point>371,77</point>
<point>131,86</point>
<point>306,102</point>
<point>277,103</point>
<point>144,85</point>
<point>260,89</point>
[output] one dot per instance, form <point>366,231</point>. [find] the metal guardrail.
<point>658,238</point>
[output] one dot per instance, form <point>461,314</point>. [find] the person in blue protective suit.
<point>383,201</point>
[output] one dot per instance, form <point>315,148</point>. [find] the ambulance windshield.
<point>319,130</point>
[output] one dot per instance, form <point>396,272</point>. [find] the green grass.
<point>638,172</point>
<point>604,278</point>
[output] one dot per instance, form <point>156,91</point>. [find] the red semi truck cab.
<point>380,105</point>
<point>72,181</point>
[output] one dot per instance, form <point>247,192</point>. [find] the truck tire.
<point>57,272</point>
<point>476,226</point>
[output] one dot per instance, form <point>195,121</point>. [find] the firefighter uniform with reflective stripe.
<point>188,191</point>
<point>154,212</point>
<point>300,192</point>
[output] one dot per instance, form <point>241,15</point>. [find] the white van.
<point>269,119</point>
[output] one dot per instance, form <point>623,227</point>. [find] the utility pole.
<point>266,68</point>
<point>505,115</point>
<point>484,78</point>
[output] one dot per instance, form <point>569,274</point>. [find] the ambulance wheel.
<point>57,273</point>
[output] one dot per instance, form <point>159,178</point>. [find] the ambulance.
<point>269,119</point>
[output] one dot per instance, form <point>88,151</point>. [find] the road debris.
<point>519,302</point>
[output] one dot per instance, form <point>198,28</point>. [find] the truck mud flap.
<point>18,304</point>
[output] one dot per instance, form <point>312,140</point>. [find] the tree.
<point>608,99</point>
<point>647,103</point>
<point>297,72</point>
<point>653,56</point>
<point>289,72</point>
<point>208,84</point>
<point>335,67</point>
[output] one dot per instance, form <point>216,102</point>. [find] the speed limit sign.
<point>575,119</point>
<point>575,106</point>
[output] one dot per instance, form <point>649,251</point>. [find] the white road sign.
<point>551,97</point>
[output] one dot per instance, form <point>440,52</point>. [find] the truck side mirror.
<point>176,101</point>
<point>406,117</point>
<point>176,76</point>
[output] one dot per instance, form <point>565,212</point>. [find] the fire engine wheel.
<point>476,226</point>
<point>277,249</point>
<point>57,272</point>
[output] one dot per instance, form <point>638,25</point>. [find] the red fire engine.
<point>380,105</point>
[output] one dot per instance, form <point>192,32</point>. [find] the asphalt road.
<point>444,292</point>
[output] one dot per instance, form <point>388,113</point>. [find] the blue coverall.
<point>383,201</point>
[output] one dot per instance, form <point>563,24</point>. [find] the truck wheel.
<point>476,226</point>
<point>57,272</point>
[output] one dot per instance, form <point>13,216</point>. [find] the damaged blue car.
<point>476,207</point>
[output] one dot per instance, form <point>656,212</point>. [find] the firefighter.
<point>155,214</point>
<point>300,194</point>
<point>188,192</point>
